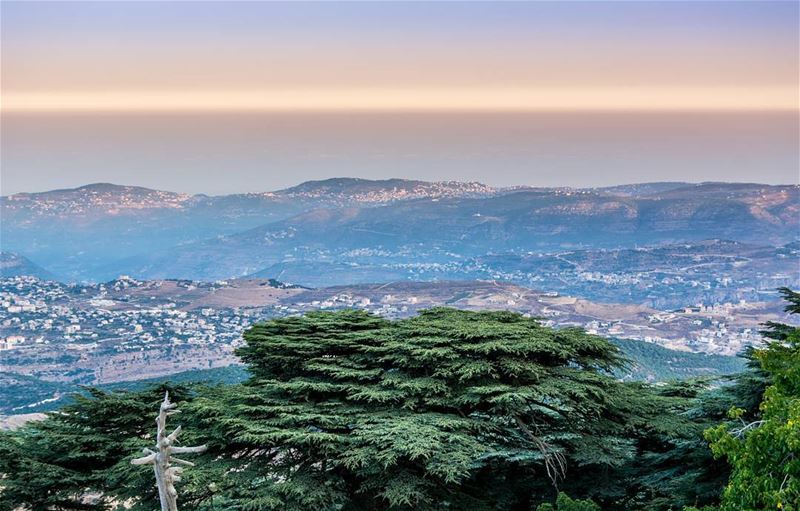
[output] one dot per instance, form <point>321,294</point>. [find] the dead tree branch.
<point>161,458</point>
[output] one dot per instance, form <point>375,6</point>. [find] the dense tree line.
<point>446,410</point>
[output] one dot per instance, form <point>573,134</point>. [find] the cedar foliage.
<point>78,458</point>
<point>565,503</point>
<point>463,409</point>
<point>448,410</point>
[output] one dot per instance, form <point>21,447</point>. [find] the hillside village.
<point>128,329</point>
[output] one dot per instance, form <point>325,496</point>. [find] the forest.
<point>446,410</point>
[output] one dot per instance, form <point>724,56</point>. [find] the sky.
<point>221,97</point>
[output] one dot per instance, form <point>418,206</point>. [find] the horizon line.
<point>613,99</point>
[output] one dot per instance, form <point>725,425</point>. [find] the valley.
<point>127,329</point>
<point>107,284</point>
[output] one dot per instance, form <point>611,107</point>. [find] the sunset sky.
<point>88,85</point>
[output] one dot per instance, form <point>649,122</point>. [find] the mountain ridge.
<point>99,230</point>
<point>342,182</point>
<point>519,221</point>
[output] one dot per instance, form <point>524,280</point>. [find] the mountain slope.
<point>522,221</point>
<point>15,265</point>
<point>354,191</point>
<point>99,231</point>
<point>642,189</point>
<point>79,232</point>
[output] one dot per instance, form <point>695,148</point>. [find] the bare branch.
<point>162,459</point>
<point>741,431</point>
<point>555,463</point>
<point>146,460</point>
<point>184,462</point>
<point>172,436</point>
<point>182,450</point>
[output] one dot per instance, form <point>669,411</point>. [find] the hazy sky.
<point>218,97</point>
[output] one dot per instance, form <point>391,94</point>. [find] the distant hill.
<point>75,232</point>
<point>323,273</point>
<point>663,276</point>
<point>80,232</point>
<point>96,199</point>
<point>98,231</point>
<point>642,189</point>
<point>350,185</point>
<point>353,191</point>
<point>522,221</point>
<point>15,265</point>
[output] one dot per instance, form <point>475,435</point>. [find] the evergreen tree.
<point>564,503</point>
<point>79,457</point>
<point>765,453</point>
<point>457,410</point>
<point>448,409</point>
